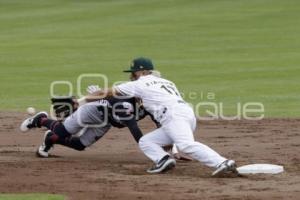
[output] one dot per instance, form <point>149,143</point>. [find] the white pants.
<point>179,130</point>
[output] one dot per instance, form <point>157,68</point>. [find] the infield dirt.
<point>114,168</point>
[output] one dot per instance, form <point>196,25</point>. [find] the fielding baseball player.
<point>161,99</point>
<point>91,121</point>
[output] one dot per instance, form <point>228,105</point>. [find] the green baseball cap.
<point>139,64</point>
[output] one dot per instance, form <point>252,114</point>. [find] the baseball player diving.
<point>88,123</point>
<point>163,101</point>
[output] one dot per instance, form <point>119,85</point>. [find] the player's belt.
<point>180,101</point>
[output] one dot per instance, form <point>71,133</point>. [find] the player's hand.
<point>176,154</point>
<point>91,89</point>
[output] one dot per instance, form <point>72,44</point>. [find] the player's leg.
<point>89,123</point>
<point>93,117</point>
<point>33,122</point>
<point>92,135</point>
<point>152,146</point>
<point>181,131</point>
<point>58,134</point>
<point>86,137</point>
<point>63,133</point>
<point>56,131</point>
<point>41,119</point>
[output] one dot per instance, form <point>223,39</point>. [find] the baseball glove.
<point>63,106</point>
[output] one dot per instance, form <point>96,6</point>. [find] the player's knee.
<point>61,131</point>
<point>81,148</point>
<point>76,144</point>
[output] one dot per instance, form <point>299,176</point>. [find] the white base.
<point>260,169</point>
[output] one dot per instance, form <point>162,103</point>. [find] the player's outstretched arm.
<point>100,94</point>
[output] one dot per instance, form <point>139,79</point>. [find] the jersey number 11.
<point>171,90</point>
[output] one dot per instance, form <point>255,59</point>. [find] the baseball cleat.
<point>165,164</point>
<point>32,122</point>
<point>43,150</point>
<point>225,167</point>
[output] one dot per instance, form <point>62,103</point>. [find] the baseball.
<point>31,110</point>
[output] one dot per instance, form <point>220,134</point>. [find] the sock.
<point>51,139</point>
<point>60,135</point>
<point>56,127</point>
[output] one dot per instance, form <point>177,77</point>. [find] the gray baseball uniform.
<point>89,121</point>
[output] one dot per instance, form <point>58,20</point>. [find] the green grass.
<point>240,50</point>
<point>30,197</point>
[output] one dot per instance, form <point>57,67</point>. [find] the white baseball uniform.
<point>161,98</point>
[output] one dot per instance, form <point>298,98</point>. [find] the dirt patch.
<point>114,168</point>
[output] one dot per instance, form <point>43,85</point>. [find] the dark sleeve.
<point>158,125</point>
<point>142,113</point>
<point>134,129</point>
